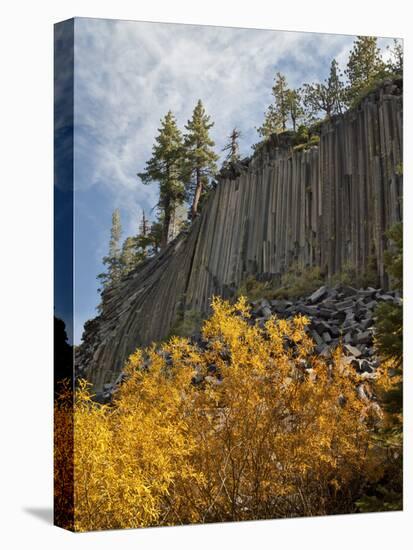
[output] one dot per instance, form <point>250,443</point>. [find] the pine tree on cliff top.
<point>232,147</point>
<point>365,66</point>
<point>113,259</point>
<point>295,107</point>
<point>165,168</point>
<point>200,158</point>
<point>280,93</point>
<point>277,114</point>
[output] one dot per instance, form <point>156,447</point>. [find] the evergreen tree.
<point>365,66</point>
<point>336,85</point>
<point>143,239</point>
<point>155,235</point>
<point>113,259</point>
<point>144,225</point>
<point>200,158</point>
<point>271,124</point>
<point>165,168</point>
<point>295,107</point>
<point>325,97</point>
<point>132,254</point>
<point>232,147</point>
<point>277,114</point>
<point>280,92</point>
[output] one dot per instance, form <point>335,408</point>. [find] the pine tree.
<point>113,260</point>
<point>336,86</point>
<point>280,93</point>
<point>278,112</point>
<point>132,254</point>
<point>155,235</point>
<point>365,66</point>
<point>271,124</point>
<point>144,225</point>
<point>165,168</point>
<point>143,239</point>
<point>295,107</point>
<point>200,158</point>
<point>325,97</point>
<point>232,147</point>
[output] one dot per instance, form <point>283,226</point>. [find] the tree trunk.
<point>197,195</point>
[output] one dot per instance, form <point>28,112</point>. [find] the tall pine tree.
<point>200,158</point>
<point>277,114</point>
<point>365,66</point>
<point>113,260</point>
<point>280,93</point>
<point>132,254</point>
<point>295,107</point>
<point>165,168</point>
<point>232,147</point>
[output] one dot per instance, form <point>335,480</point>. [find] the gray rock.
<point>317,338</point>
<point>345,305</point>
<point>348,339</point>
<point>366,323</point>
<point>364,337</point>
<point>326,337</point>
<point>318,294</point>
<point>266,312</point>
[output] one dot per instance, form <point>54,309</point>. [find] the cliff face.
<point>328,206</point>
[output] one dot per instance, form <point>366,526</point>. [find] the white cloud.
<point>128,75</point>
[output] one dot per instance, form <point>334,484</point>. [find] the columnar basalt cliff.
<point>327,206</point>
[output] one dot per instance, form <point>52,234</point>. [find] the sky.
<point>128,75</point>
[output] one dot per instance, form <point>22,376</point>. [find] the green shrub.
<point>299,281</point>
<point>256,290</point>
<point>294,283</point>
<point>187,325</point>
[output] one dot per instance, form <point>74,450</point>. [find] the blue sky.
<point>129,74</point>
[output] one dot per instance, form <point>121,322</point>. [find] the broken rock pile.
<point>338,315</point>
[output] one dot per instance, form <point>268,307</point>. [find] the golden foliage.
<point>251,425</point>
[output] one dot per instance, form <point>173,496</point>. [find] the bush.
<point>251,425</point>
<point>310,142</point>
<point>188,325</point>
<point>256,290</point>
<point>348,275</point>
<point>298,282</point>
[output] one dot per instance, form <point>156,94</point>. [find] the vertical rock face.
<point>328,206</point>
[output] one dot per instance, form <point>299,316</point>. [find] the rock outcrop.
<point>328,206</point>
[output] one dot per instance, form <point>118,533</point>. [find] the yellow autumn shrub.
<point>250,425</point>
